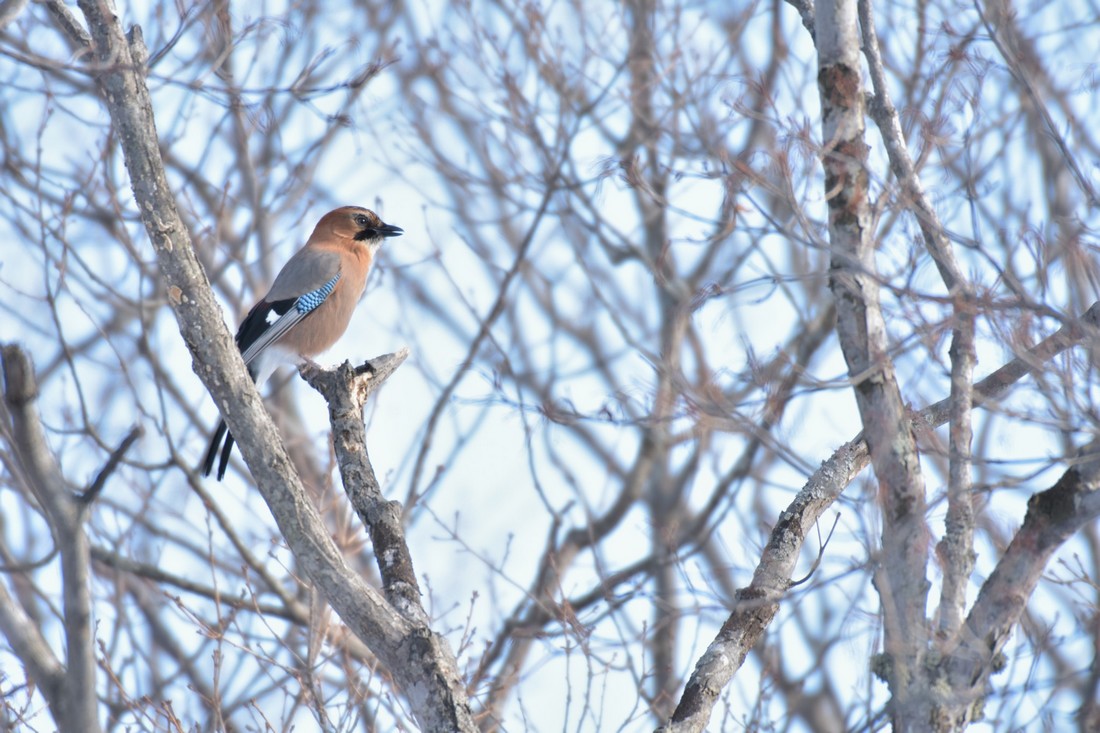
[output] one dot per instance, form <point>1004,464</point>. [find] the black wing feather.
<point>252,327</point>
<point>255,323</point>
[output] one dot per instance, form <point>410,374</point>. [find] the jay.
<point>310,303</point>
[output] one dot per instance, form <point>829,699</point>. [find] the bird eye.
<point>361,220</point>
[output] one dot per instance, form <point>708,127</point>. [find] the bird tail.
<point>259,370</point>
<point>212,451</point>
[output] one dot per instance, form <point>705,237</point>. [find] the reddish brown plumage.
<point>331,268</point>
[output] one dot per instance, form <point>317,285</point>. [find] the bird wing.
<point>306,280</point>
<point>309,269</point>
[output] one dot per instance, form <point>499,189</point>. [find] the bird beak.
<point>389,230</point>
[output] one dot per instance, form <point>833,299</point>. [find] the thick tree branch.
<point>119,67</point>
<point>69,688</point>
<point>758,603</point>
<point>1052,517</point>
<point>346,390</point>
<point>900,577</point>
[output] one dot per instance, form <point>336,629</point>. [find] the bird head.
<point>355,222</point>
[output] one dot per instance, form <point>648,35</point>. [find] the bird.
<point>308,307</point>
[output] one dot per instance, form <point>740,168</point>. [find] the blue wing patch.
<point>311,300</point>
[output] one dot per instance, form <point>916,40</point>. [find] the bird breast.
<point>327,322</point>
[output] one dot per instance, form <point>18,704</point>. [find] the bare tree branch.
<point>70,688</point>
<point>758,603</point>
<point>957,547</point>
<point>900,578</point>
<point>120,63</point>
<point>974,655</point>
<point>998,18</point>
<point>644,282</point>
<point>346,390</point>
